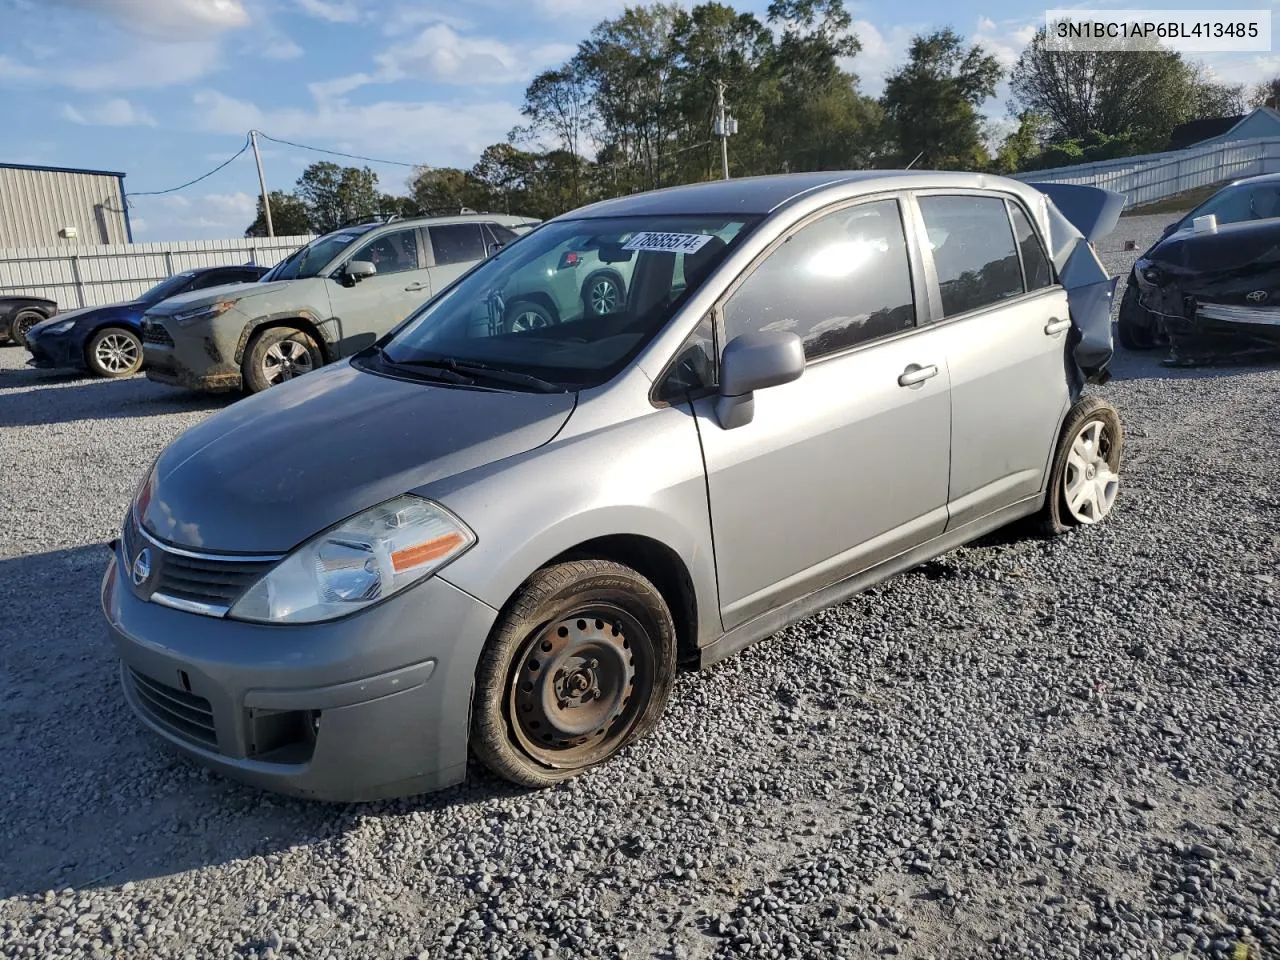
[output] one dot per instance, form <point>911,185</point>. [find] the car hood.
<point>111,312</point>
<point>1233,246</point>
<point>232,291</point>
<point>270,471</point>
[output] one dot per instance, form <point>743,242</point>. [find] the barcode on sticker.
<point>667,242</point>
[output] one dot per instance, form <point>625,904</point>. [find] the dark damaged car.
<point>1209,290</point>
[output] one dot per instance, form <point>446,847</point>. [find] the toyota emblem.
<point>141,566</point>
<point>1257,296</point>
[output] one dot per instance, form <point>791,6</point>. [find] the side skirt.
<point>770,623</point>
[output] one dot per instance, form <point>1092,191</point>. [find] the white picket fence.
<point>1154,176</point>
<point>90,276</point>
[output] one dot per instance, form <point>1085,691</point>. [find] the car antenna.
<point>913,162</point>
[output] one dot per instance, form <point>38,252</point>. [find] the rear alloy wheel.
<point>603,295</point>
<point>579,667</point>
<point>1085,479</point>
<point>114,352</point>
<point>24,321</point>
<point>277,355</point>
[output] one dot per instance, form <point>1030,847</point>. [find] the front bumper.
<point>56,351</point>
<point>194,362</point>
<point>375,705</point>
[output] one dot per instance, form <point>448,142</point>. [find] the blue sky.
<point>164,90</point>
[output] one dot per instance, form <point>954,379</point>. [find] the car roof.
<point>1260,178</point>
<point>763,195</point>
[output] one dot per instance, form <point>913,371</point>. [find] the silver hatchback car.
<point>469,537</point>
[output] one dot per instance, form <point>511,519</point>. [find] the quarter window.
<point>393,252</point>
<point>838,282</point>
<point>1035,265</point>
<point>973,251</point>
<point>457,243</point>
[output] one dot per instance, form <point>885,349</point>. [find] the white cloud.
<point>145,66</point>
<point>116,112</point>
<point>1004,40</point>
<point>440,53</point>
<point>404,19</point>
<point>280,48</point>
<point>170,18</point>
<point>335,11</point>
<point>882,52</point>
<point>445,134</point>
<point>11,69</point>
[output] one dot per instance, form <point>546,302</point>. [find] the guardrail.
<point>90,276</point>
<point>1151,177</point>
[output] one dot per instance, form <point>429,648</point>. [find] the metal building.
<point>55,206</point>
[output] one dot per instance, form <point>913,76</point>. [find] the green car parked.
<point>328,300</point>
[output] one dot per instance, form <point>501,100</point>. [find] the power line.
<point>338,153</point>
<point>226,163</point>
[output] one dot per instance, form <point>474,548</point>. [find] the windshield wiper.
<point>469,371</point>
<point>445,374</point>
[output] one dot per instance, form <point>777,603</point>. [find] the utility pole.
<point>262,183</point>
<point>725,127</point>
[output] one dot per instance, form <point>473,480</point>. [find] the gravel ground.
<point>1024,749</point>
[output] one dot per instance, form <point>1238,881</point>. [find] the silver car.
<point>469,537</point>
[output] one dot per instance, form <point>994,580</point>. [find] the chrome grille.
<point>198,583</point>
<point>184,713</point>
<point>153,332</point>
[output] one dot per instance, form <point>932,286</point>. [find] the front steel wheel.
<point>579,667</point>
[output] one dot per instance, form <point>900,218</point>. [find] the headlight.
<point>204,312</point>
<point>62,326</point>
<point>357,563</point>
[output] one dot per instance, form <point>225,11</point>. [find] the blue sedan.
<point>107,341</point>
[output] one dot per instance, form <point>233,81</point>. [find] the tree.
<point>335,195</point>
<point>1266,94</point>
<point>1020,149</point>
<point>816,118</point>
<point>288,217</point>
<point>558,102</point>
<point>931,103</point>
<point>446,191</point>
<point>1143,93</point>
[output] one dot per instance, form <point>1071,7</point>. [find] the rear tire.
<point>276,355</point>
<point>20,324</point>
<point>603,295</point>
<point>525,315</point>
<point>1085,477</point>
<point>579,666</point>
<point>114,352</point>
<point>1135,326</point>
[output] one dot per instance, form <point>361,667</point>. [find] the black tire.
<point>544,709</point>
<point>21,323</point>
<point>1135,326</point>
<point>524,315</point>
<point>113,352</point>
<point>1058,516</point>
<point>601,290</point>
<point>276,355</point>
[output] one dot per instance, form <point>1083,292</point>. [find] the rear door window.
<point>1035,265</point>
<point>973,251</point>
<point>457,243</point>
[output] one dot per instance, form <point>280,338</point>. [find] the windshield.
<point>1245,201</point>
<point>312,258</point>
<point>573,302</point>
<point>167,288</point>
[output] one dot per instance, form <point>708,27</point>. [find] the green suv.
<point>326,301</point>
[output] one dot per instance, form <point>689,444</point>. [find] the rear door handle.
<point>1056,326</point>
<point>415,287</point>
<point>915,375</point>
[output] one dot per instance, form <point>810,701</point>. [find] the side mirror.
<point>494,248</point>
<point>1168,230</point>
<point>357,270</point>
<point>751,362</point>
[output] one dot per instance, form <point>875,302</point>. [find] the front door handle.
<point>915,375</point>
<point>1056,326</point>
<point>415,287</point>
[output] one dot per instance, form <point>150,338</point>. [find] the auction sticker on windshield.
<point>667,242</point>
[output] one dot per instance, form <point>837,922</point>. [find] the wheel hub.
<point>573,684</point>
<point>1089,483</point>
